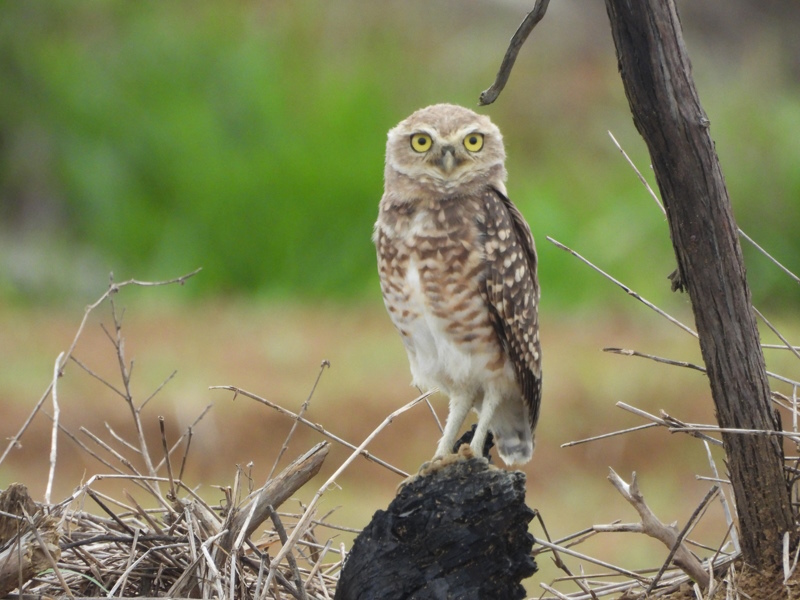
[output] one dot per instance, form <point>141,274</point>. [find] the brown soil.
<point>746,582</point>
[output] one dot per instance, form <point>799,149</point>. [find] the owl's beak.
<point>448,159</point>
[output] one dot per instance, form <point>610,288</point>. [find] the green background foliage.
<point>151,138</point>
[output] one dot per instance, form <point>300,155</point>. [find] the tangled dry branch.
<point>166,540</point>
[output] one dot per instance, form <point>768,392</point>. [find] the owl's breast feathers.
<point>458,274</point>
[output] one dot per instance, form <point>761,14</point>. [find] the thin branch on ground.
<point>650,525</point>
<point>301,589</point>
<point>726,508</point>
<point>301,524</point>
<point>325,364</point>
<point>54,430</point>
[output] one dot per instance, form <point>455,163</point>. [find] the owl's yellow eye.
<point>473,142</point>
<point>421,142</point>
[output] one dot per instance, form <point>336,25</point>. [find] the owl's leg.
<point>491,400</point>
<point>459,407</point>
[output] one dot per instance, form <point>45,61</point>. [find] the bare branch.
<point>666,361</point>
<point>113,288</point>
<point>769,256</point>
<point>165,447</point>
<point>299,528</point>
<point>664,211</point>
<point>591,559</point>
<point>158,389</point>
<point>624,287</point>
<point>649,189</point>
<point>186,434</point>
<point>523,31</point>
<point>776,332</point>
<point>274,493</point>
<point>54,432</point>
<point>667,534</point>
<point>315,426</point>
<point>303,409</point>
<point>667,422</point>
<point>608,435</point>
<point>301,589</point>
<point>724,501</point>
<point>99,378</point>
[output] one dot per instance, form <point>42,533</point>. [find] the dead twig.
<point>608,435</point>
<point>303,409</point>
<point>659,359</point>
<point>523,31</point>
<point>311,508</point>
<point>315,426</point>
<point>299,587</point>
<point>726,509</point>
<point>561,564</point>
<point>54,431</point>
<point>274,493</point>
<point>569,551</point>
<point>667,422</point>
<point>774,330</point>
<point>113,288</point>
<point>653,527</point>
<point>624,287</point>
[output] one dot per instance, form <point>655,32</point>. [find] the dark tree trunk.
<point>658,82</point>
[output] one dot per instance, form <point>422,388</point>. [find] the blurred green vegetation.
<point>150,138</point>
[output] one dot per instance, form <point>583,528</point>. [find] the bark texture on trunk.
<point>657,76</point>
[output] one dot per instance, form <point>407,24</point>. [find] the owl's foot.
<point>464,452</point>
<point>488,443</point>
<point>439,462</point>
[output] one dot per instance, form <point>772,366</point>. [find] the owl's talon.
<point>465,452</point>
<point>421,472</point>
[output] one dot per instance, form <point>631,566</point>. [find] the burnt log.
<point>459,529</point>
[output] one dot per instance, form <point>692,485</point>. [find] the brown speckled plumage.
<point>457,267</point>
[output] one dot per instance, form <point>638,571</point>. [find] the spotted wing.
<point>511,290</point>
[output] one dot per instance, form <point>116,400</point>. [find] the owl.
<point>457,267</point>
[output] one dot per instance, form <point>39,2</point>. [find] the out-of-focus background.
<point>148,139</point>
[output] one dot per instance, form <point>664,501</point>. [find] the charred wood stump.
<point>459,529</point>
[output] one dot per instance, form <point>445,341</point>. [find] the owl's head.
<point>445,149</point>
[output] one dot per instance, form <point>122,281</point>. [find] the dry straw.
<point>92,544</point>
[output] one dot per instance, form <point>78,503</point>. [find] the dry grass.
<point>179,546</point>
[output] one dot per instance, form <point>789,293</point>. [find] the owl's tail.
<point>512,433</point>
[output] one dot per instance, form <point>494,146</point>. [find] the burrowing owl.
<point>457,267</point>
